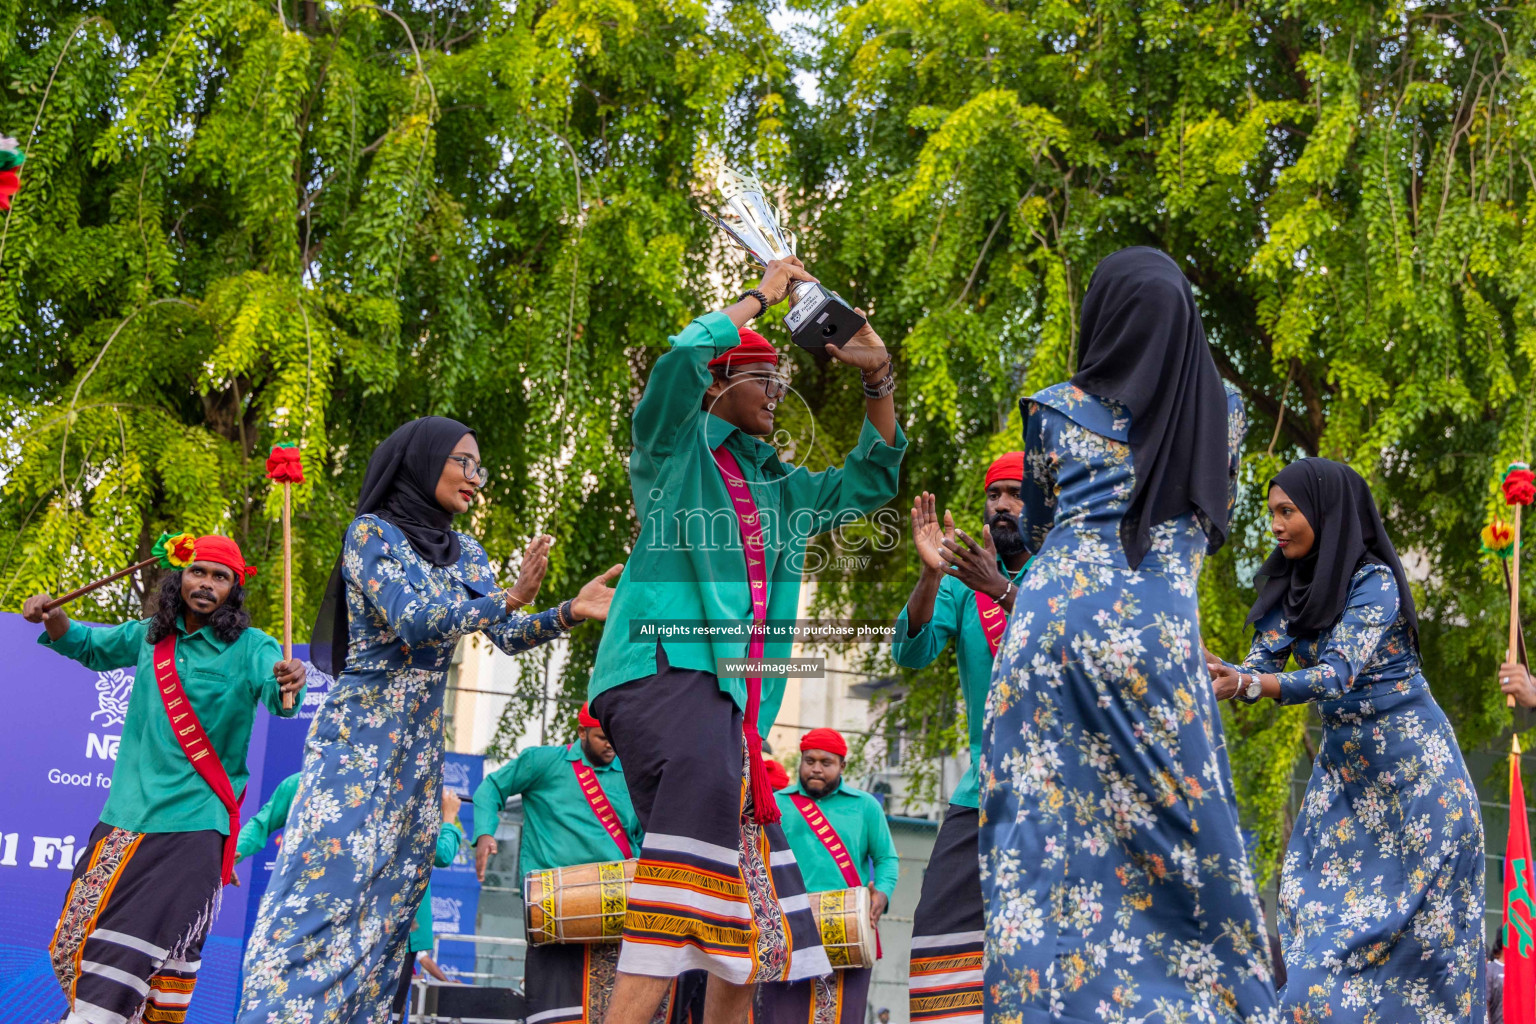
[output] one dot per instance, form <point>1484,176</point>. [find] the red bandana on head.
<point>778,775</point>
<point>754,348</point>
<point>1005,467</point>
<point>829,740</point>
<point>585,720</point>
<point>214,548</point>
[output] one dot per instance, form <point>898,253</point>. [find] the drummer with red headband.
<point>576,810</point>
<point>841,840</point>
<point>146,887</point>
<point>724,525</point>
<point>964,593</point>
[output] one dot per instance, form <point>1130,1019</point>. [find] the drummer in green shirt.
<point>146,889</point>
<point>841,840</point>
<point>964,593</point>
<point>576,810</point>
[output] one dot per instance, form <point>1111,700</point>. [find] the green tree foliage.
<point>243,223</point>
<point>1347,185</point>
<point>307,222</point>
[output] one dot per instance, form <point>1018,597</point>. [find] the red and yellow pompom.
<point>175,550</point>
<point>284,465</point>
<point>1519,484</point>
<point>1499,539</point>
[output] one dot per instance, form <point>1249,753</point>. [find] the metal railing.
<point>420,984</point>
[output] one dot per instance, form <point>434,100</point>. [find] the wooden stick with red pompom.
<point>1519,489</point>
<point>285,467</point>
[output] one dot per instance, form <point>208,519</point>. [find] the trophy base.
<point>820,318</point>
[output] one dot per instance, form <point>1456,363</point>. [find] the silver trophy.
<point>818,316</point>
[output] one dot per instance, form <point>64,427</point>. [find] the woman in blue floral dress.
<point>1117,886</point>
<point>1381,897</point>
<point>330,939</point>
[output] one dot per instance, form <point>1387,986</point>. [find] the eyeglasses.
<point>473,471</point>
<point>775,385</point>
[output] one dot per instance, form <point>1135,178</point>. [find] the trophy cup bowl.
<point>818,317</point>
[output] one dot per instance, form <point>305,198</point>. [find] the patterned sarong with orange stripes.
<point>122,957</point>
<point>944,975</point>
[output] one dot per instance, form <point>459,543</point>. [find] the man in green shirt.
<point>576,810</point>
<point>841,840</point>
<point>723,534</point>
<point>963,593</point>
<point>143,895</point>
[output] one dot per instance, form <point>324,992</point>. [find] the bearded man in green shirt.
<point>576,810</point>
<point>724,527</point>
<point>145,891</point>
<point>964,593</point>
<point>841,840</point>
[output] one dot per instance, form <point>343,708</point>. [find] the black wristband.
<point>760,297</point>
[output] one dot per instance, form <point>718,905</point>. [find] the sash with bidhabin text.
<point>196,745</point>
<point>586,778</point>
<point>994,621</point>
<point>822,829</point>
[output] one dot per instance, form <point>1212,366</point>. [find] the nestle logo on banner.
<point>456,777</point>
<point>445,914</point>
<point>112,692</point>
<point>319,686</point>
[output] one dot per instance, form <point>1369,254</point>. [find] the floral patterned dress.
<point>330,939</point>
<point>1116,883</point>
<point>1381,898</point>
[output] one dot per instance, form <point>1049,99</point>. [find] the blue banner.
<point>455,890</point>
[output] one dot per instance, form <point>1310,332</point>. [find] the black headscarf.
<point>400,485</point>
<point>1141,344</point>
<point>1347,533</point>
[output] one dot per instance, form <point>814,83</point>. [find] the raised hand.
<point>530,575</point>
<point>864,350</point>
<point>973,564</point>
<point>592,600</point>
<point>780,275</point>
<point>927,537</point>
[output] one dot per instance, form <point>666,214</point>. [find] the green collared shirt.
<point>559,826</point>
<point>154,786</point>
<point>955,616</point>
<point>859,822</point>
<point>272,817</point>
<point>688,563</point>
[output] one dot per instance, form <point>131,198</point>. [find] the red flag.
<point>1519,907</point>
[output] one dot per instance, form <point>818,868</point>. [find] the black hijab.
<point>400,485</point>
<point>1347,533</point>
<point>1141,344</point>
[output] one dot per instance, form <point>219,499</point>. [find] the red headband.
<point>778,776</point>
<point>585,720</point>
<point>754,348</point>
<point>829,740</point>
<point>1005,467</point>
<point>214,548</point>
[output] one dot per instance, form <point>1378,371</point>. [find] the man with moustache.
<point>964,592</point>
<point>717,887</point>
<point>576,810</point>
<point>145,891</point>
<point>841,840</point>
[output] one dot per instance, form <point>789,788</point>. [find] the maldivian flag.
<point>1519,907</point>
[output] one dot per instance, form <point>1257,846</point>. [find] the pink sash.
<point>765,809</point>
<point>194,743</point>
<point>586,778</point>
<point>994,621</point>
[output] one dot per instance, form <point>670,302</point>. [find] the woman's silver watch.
<point>1249,689</point>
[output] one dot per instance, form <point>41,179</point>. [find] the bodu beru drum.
<point>581,903</point>
<point>842,917</point>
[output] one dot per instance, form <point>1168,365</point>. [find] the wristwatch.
<point>1249,692</point>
